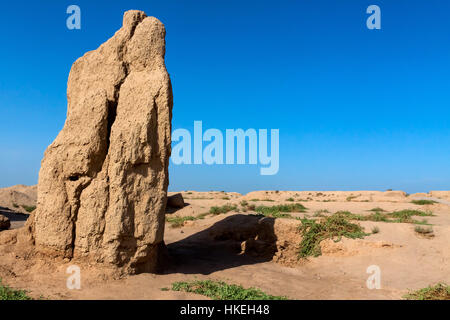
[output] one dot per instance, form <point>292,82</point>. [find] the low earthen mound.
<point>19,198</point>
<point>175,201</point>
<point>276,239</point>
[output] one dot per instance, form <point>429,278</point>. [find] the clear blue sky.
<point>356,108</point>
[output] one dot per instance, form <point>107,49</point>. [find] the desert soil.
<point>211,248</point>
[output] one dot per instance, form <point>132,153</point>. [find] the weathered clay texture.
<point>103,182</point>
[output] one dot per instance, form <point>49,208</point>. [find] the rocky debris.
<point>4,223</point>
<point>175,201</point>
<point>103,182</point>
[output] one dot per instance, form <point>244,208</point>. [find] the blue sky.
<point>356,108</point>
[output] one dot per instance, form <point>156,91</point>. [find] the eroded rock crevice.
<point>112,113</point>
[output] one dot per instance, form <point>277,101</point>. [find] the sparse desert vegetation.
<point>320,213</point>
<point>424,231</point>
<point>177,222</point>
<point>375,230</point>
<point>222,209</point>
<point>439,291</point>
<point>401,216</point>
<point>334,227</point>
<point>284,235</point>
<point>276,210</point>
<point>244,203</point>
<point>7,293</point>
<point>423,202</point>
<point>29,208</point>
<point>219,290</point>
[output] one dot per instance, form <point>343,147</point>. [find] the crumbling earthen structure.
<point>103,182</point>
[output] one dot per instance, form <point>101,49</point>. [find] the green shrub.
<point>405,216</point>
<point>320,213</point>
<point>377,216</point>
<point>6,293</point>
<point>439,291</point>
<point>423,202</point>
<point>423,230</point>
<point>334,227</point>
<point>219,290</point>
<point>244,203</point>
<point>29,208</point>
<point>274,211</point>
<point>177,222</point>
<point>223,209</point>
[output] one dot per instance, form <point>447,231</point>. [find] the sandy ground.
<point>210,248</point>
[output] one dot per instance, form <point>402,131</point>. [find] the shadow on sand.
<point>171,210</point>
<point>222,246</point>
<point>14,216</point>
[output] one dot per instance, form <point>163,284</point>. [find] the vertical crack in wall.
<point>112,113</point>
